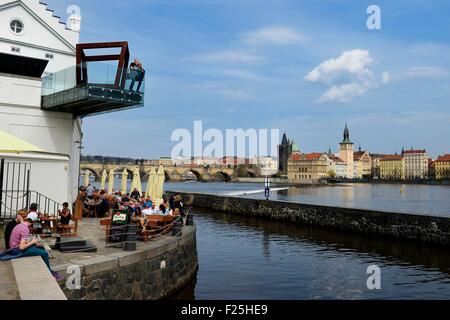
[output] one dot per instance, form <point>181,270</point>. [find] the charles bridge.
<point>177,173</point>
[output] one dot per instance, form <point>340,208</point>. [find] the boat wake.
<point>249,192</point>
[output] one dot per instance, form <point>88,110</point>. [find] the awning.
<point>22,66</point>
<point>12,144</point>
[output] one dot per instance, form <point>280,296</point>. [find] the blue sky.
<point>304,67</point>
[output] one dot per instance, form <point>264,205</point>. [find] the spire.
<point>284,141</point>
<point>346,134</point>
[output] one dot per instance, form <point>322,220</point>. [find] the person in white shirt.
<point>32,214</point>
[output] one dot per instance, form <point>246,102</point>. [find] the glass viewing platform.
<point>105,88</point>
<point>92,86</point>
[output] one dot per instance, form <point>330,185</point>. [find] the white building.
<point>35,43</point>
<point>267,165</point>
<point>416,164</point>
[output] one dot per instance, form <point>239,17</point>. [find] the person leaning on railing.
<point>136,73</point>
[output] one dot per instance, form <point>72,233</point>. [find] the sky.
<point>305,67</point>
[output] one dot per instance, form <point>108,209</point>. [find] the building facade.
<point>416,164</point>
<point>363,165</point>
<point>308,168</point>
<point>442,167</point>
<point>30,34</point>
<point>45,92</point>
<point>392,167</point>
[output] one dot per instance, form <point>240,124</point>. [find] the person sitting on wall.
<point>179,205</point>
<point>21,216</point>
<point>21,246</point>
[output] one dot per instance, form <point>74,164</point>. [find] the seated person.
<point>21,246</point>
<point>33,212</point>
<point>148,202</point>
<point>163,210</point>
<point>21,216</point>
<point>148,211</point>
<point>65,215</point>
<point>136,217</point>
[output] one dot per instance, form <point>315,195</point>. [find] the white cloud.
<point>386,77</point>
<point>343,93</point>
<point>273,35</point>
<point>426,72</point>
<point>355,62</point>
<point>227,91</point>
<point>228,57</point>
<point>347,76</point>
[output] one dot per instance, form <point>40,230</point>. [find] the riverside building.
<point>392,167</point>
<point>46,89</point>
<point>416,164</point>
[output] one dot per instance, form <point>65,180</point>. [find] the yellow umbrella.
<point>86,178</point>
<point>136,182</point>
<point>111,181</point>
<point>151,183</point>
<point>103,183</point>
<point>12,144</point>
<point>124,181</point>
<point>160,178</point>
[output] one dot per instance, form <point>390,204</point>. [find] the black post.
<point>2,167</point>
<point>28,189</point>
<point>190,219</point>
<point>130,238</point>
<point>177,228</point>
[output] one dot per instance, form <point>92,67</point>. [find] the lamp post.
<point>267,187</point>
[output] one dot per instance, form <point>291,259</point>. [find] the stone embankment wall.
<point>425,229</point>
<point>155,272</point>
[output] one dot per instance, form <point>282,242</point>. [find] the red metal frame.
<point>123,58</point>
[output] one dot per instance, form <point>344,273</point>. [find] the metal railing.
<point>13,201</point>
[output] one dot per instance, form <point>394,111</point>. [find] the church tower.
<point>285,150</point>
<point>346,152</point>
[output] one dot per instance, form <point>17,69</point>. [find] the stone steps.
<point>8,286</point>
<point>34,281</point>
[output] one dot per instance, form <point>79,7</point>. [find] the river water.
<point>248,258</point>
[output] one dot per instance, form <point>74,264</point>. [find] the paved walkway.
<point>90,229</point>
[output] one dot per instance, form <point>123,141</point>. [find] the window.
<point>49,56</point>
<point>16,26</point>
<point>15,49</point>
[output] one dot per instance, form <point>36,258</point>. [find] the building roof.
<point>415,151</point>
<point>307,157</point>
<point>391,157</point>
<point>336,159</point>
<point>444,158</point>
<point>358,154</point>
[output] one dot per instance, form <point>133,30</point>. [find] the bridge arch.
<point>223,175</point>
<point>96,174</point>
<point>118,172</point>
<point>197,174</point>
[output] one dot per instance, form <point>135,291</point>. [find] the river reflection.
<point>249,258</point>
